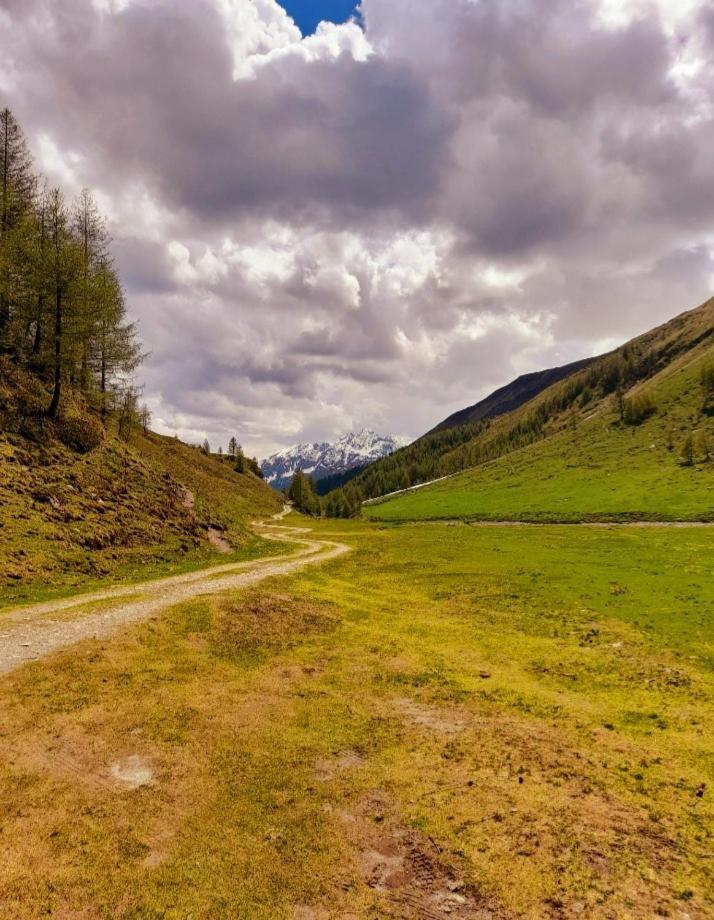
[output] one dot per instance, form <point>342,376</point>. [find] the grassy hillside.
<point>598,468</point>
<point>592,392</point>
<point>587,461</point>
<point>116,512</point>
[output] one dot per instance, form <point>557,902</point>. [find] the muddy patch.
<point>416,878</point>
<point>132,771</point>
<point>442,721</point>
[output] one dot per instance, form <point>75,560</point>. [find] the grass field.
<point>458,721</point>
<point>598,469</point>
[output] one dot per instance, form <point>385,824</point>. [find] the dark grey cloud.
<point>375,228</point>
<point>152,95</point>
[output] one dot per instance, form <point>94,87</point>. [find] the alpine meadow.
<point>356,460</point>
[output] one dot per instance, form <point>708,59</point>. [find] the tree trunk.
<point>57,392</point>
<point>37,344</point>
<point>103,383</point>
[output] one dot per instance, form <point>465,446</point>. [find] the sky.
<point>308,14</point>
<point>379,223</point>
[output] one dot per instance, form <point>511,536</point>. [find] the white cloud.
<point>375,228</point>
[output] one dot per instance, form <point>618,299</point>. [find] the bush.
<point>686,454</point>
<point>82,433</point>
<point>638,408</point>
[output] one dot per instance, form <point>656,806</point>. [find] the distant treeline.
<point>62,309</point>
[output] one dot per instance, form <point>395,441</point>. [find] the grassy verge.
<point>449,719</point>
<point>156,565</point>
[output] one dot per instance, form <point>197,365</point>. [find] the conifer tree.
<point>17,184</point>
<point>302,495</point>
<point>63,261</point>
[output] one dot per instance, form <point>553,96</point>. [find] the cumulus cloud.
<point>375,225</point>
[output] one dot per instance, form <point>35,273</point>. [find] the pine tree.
<point>114,351</point>
<point>17,183</point>
<point>302,495</point>
<point>90,230</point>
<point>63,261</point>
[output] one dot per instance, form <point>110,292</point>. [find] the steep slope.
<point>512,396</point>
<point>644,452</point>
<point>355,449</point>
<point>590,391</point>
<point>118,511</point>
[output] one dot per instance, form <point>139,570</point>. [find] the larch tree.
<point>17,183</point>
<point>63,264</point>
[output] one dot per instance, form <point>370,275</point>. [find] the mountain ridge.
<point>321,460</point>
<point>512,395</point>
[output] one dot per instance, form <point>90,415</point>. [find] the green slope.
<point>595,467</point>
<point>115,513</point>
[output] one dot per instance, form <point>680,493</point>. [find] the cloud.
<point>375,226</point>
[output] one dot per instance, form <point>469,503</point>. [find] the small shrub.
<point>638,408</point>
<point>82,433</point>
<point>687,452</point>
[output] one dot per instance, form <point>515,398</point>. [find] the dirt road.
<point>29,633</point>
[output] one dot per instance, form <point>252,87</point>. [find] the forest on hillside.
<point>62,306</point>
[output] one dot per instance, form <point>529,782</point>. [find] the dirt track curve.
<point>29,633</point>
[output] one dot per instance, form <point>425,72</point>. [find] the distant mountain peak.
<point>320,460</point>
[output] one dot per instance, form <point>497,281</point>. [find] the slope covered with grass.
<point>119,511</point>
<point>582,394</point>
<point>593,465</point>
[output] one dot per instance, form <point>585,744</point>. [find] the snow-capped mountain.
<point>356,449</point>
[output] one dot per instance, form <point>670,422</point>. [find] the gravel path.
<point>29,633</point>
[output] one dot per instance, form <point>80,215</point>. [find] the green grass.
<point>598,469</point>
<point>525,715</point>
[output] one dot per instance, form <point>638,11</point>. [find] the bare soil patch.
<point>436,719</point>
<point>132,771</point>
<point>218,541</point>
<point>416,878</point>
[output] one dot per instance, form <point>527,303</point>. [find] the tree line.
<point>234,455</point>
<point>62,306</point>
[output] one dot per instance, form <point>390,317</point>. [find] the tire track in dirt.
<point>30,633</point>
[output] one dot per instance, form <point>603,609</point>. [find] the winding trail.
<point>32,632</point>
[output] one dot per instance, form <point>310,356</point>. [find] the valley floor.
<point>447,721</point>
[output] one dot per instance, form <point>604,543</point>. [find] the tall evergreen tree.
<point>302,495</point>
<point>64,260</point>
<point>17,184</point>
